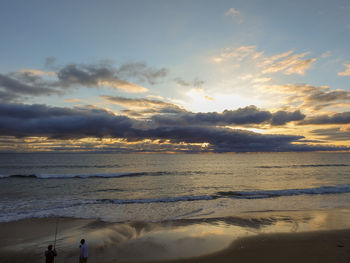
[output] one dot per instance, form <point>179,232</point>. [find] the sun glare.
<point>200,101</point>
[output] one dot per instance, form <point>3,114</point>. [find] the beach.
<point>295,236</point>
<point>176,208</point>
<point>170,131</point>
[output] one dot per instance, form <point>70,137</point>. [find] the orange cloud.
<point>346,72</point>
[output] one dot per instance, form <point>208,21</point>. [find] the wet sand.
<point>321,247</point>
<point>307,237</point>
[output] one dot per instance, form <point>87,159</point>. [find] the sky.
<point>174,76</point>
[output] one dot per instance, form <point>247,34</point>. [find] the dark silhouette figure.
<point>83,252</point>
<point>50,254</point>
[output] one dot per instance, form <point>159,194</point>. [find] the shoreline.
<point>286,236</point>
<point>317,246</point>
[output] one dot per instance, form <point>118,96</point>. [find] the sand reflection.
<point>147,241</point>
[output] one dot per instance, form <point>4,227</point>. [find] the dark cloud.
<point>20,120</point>
<point>223,139</point>
<point>16,85</point>
<point>282,117</point>
<point>327,96</point>
<point>241,116</point>
<point>334,134</point>
<point>314,97</point>
<point>170,114</point>
<point>195,83</point>
<point>338,118</point>
<point>7,96</point>
<point>142,72</point>
<point>106,75</point>
<point>73,74</point>
<point>93,76</point>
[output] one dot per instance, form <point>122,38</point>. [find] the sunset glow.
<point>174,76</point>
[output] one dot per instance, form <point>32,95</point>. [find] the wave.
<point>156,200</point>
<point>339,189</point>
<point>303,166</point>
<point>58,166</point>
<point>98,175</point>
<point>68,176</point>
<point>261,194</point>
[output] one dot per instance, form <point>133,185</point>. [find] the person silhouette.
<point>83,252</point>
<point>50,254</point>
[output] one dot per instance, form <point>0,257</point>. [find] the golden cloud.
<point>346,72</point>
<point>123,85</point>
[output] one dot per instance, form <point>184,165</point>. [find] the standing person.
<point>83,252</point>
<point>50,254</point>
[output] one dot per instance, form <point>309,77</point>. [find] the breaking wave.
<point>67,176</point>
<point>62,206</point>
<point>59,166</point>
<point>156,200</point>
<point>98,175</point>
<point>339,189</point>
<point>303,166</point>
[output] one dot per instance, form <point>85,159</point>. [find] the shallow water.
<point>158,187</point>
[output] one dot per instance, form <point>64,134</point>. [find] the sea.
<point>158,187</point>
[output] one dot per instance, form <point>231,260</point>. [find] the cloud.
<point>165,113</point>
<point>37,72</point>
<point>232,12</point>
<point>242,116</point>
<point>195,83</point>
<point>236,14</point>
<point>21,120</point>
<point>261,80</point>
<point>13,86</point>
<point>50,62</point>
<point>106,75</point>
<point>229,140</point>
<point>286,62</point>
<point>225,140</point>
<point>338,118</point>
<point>94,76</point>
<point>238,54</point>
<point>282,117</point>
<point>314,97</point>
<point>333,134</point>
<point>346,72</point>
<point>300,67</point>
<point>73,100</point>
<point>290,65</point>
<point>122,85</point>
<point>142,107</point>
<point>7,96</point>
<point>16,86</point>
<point>142,72</point>
<point>266,61</point>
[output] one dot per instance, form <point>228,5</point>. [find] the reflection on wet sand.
<point>148,241</point>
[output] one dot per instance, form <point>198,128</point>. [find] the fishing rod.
<point>54,245</point>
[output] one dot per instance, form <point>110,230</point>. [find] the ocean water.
<point>159,187</point>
